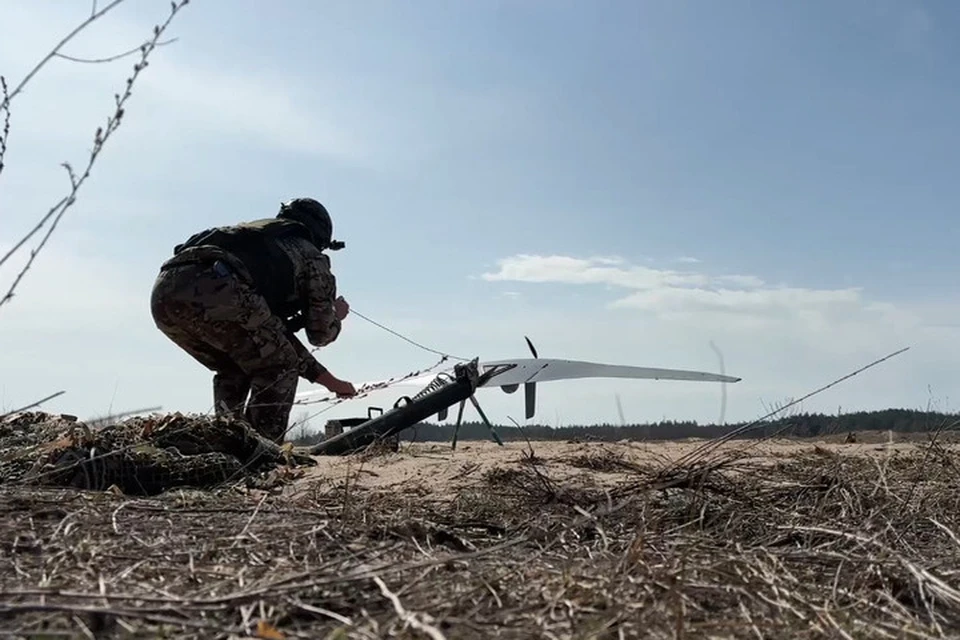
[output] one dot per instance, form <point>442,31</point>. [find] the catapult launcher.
<point>442,393</point>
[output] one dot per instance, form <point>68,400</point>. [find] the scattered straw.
<point>818,544</point>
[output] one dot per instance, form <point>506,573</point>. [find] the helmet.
<point>314,217</point>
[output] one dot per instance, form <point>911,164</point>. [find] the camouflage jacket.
<point>316,287</point>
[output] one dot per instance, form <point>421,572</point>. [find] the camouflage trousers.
<point>227,326</point>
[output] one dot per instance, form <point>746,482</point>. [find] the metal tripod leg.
<point>493,432</point>
<point>456,430</point>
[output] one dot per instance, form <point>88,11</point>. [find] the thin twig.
<point>408,617</point>
<point>5,110</point>
<point>716,442</point>
<point>33,404</point>
<point>113,58</point>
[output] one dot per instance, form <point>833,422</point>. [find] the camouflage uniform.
<point>231,309</point>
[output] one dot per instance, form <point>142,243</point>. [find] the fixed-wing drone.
<point>510,374</point>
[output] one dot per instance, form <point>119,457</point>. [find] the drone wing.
<point>524,370</point>
<point>530,371</point>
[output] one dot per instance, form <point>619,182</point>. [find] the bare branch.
<point>129,52</point>
<point>33,231</point>
<point>100,137</point>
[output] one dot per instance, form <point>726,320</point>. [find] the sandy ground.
<point>436,469</point>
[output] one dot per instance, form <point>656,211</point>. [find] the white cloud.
<point>727,303</point>
<point>743,301</point>
<point>609,271</point>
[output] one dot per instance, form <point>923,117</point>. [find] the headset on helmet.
<point>315,217</point>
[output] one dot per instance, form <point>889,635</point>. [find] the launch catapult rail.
<point>436,398</point>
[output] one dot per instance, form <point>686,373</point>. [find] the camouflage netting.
<point>139,456</point>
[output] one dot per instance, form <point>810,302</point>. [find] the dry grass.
<point>586,541</point>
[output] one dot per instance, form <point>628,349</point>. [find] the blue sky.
<point>622,181</point>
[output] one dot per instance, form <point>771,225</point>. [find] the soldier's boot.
<point>271,398</point>
<point>230,391</point>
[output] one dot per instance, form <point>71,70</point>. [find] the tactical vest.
<point>254,244</point>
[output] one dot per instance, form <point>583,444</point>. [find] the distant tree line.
<point>802,425</point>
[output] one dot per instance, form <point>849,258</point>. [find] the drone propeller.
<point>533,349</point>
<point>530,401</point>
<point>530,388</point>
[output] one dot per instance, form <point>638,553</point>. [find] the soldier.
<point>233,297</point>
